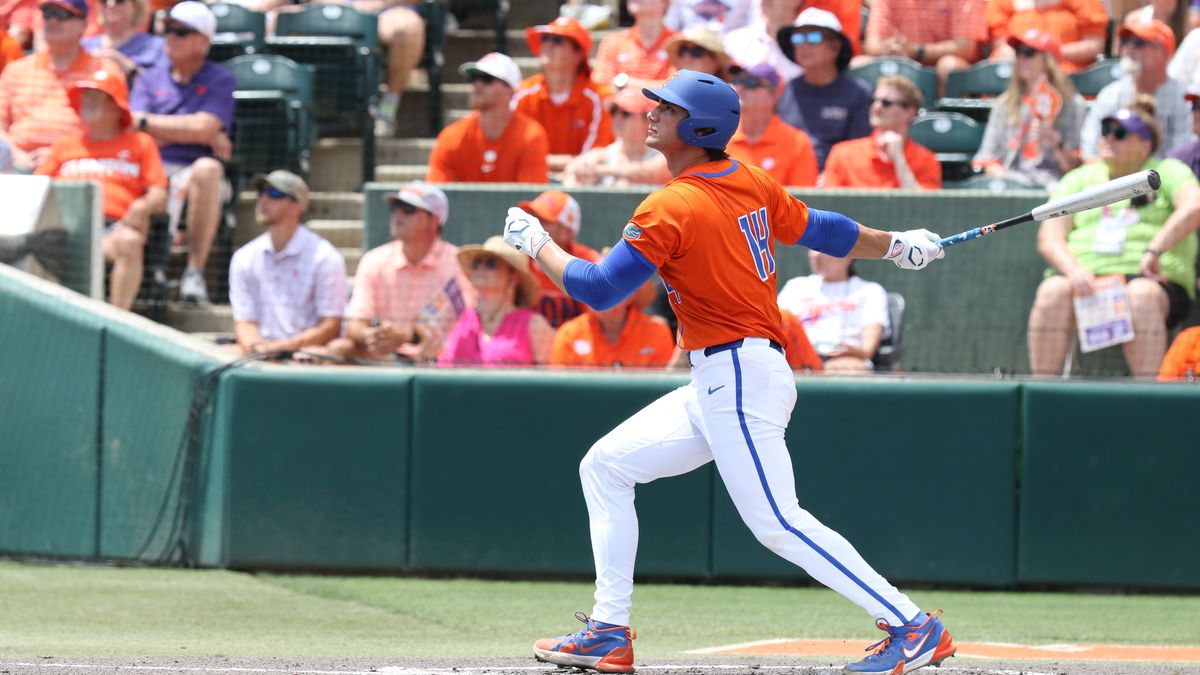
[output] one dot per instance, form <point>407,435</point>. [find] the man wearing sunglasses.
<point>888,158</point>
<point>409,292</point>
<point>186,104</point>
<point>494,143</point>
<point>825,103</point>
<point>1146,48</point>
<point>764,140</point>
<point>34,108</point>
<point>562,98</point>
<point>287,286</point>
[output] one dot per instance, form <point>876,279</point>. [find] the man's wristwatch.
<point>142,123</point>
<point>919,55</point>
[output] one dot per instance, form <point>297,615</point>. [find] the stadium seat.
<point>980,80</point>
<point>982,181</point>
<point>925,78</point>
<point>1089,82</point>
<point>434,58</point>
<point>273,123</point>
<point>342,43</point>
<point>239,31</point>
<point>954,137</point>
<point>887,357</point>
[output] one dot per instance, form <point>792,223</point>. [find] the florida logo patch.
<point>633,231</point>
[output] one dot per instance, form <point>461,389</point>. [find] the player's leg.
<point>657,442</point>
<point>746,415</point>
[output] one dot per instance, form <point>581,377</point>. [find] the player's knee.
<point>595,465</point>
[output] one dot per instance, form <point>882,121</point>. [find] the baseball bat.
<point>1126,187</point>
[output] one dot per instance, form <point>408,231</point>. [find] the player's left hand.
<point>524,232</point>
<point>914,249</point>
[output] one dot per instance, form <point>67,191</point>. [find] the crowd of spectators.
<point>806,118</point>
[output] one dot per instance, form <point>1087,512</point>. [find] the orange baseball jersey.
<point>711,232</point>
<point>800,352</point>
<point>857,164</point>
<point>782,151</point>
<point>125,167</point>
<point>463,154</point>
<point>578,124</point>
<point>644,343</point>
<point>556,306</point>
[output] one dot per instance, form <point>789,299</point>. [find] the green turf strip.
<point>99,611</point>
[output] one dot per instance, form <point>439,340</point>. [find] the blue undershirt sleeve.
<point>829,232</point>
<point>614,279</point>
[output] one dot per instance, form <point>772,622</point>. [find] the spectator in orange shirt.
<point>568,105</point>
<point>764,140</point>
<point>561,217</point>
<point>698,49</point>
<point>1183,358</point>
<point>619,337</point>
<point>16,17</point>
<point>627,160</point>
<point>944,34</point>
<point>493,143</point>
<point>636,57</point>
<point>887,158</point>
<point>1080,26</point>
<point>34,110</point>
<point>128,167</point>
<point>10,49</point>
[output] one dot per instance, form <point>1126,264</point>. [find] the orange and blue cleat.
<point>599,646</point>
<point>906,648</point>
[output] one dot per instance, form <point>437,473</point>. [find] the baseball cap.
<point>498,66</point>
<point>1151,31</point>
<point>108,83</point>
<point>1039,40</point>
<point>815,18</point>
<point>760,71</point>
<point>1130,120</point>
<point>76,7</point>
<point>632,101</point>
<point>555,206</point>
<point>566,27</point>
<point>423,196</point>
<point>195,15</point>
<point>284,181</point>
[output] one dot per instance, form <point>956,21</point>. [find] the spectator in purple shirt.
<point>121,42</point>
<point>186,104</point>
<point>826,103</point>
<point>1189,152</point>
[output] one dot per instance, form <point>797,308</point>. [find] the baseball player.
<point>710,234</point>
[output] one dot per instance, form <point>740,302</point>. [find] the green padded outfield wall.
<point>870,456</point>
<point>966,314</point>
<point>1108,485</point>
<point>496,491</point>
<point>49,398</point>
<point>315,467</point>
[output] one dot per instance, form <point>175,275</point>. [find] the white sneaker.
<point>192,289</point>
<point>384,114</point>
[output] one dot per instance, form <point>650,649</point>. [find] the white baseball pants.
<point>734,411</point>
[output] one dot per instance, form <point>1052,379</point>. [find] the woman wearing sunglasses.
<point>1149,241</point>
<point>1032,134</point>
<point>501,329</point>
<point>697,49</point>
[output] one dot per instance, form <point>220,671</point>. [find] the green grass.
<point>100,611</point>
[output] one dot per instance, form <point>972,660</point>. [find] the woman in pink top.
<point>500,330</point>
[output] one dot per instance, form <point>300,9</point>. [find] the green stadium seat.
<point>239,31</point>
<point>273,119</point>
<point>980,80</point>
<point>342,43</point>
<point>982,181</point>
<point>924,78</point>
<point>1089,82</point>
<point>954,137</point>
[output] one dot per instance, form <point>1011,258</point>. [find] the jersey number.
<point>758,237</point>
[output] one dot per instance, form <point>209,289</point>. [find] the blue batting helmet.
<point>712,105</point>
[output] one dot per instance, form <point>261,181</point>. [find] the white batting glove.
<point>524,232</point>
<point>914,249</point>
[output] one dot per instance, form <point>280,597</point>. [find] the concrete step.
<point>415,102</point>
<point>211,319</point>
<point>468,44</point>
<point>335,165</point>
<point>522,13</point>
<point>400,173</point>
<point>340,233</point>
<point>418,127</point>
<point>403,151</point>
<point>352,254</point>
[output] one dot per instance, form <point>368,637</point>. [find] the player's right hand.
<point>524,232</point>
<point>914,249</point>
